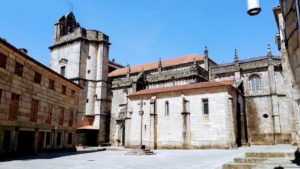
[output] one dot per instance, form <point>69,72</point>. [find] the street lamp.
<point>253,7</point>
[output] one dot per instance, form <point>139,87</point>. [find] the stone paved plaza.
<point>164,159</point>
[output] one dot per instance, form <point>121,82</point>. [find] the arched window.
<point>167,108</point>
<point>254,83</point>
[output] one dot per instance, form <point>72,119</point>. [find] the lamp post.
<point>253,7</point>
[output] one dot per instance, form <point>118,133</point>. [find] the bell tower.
<point>82,56</point>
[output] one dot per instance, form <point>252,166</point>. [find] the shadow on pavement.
<point>48,155</point>
<point>297,157</point>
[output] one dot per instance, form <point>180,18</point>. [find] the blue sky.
<point>144,31</point>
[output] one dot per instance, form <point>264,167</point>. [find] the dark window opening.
<point>48,138</point>
<point>51,84</point>
<point>63,70</point>
<point>167,108</point>
<point>3,59</point>
<point>58,138</point>
<point>37,78</point>
<point>70,139</point>
<point>19,69</point>
<point>205,106</point>
<point>63,89</point>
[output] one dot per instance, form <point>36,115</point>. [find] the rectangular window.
<point>63,89</point>
<point>73,94</point>
<point>167,108</point>
<point>51,84</point>
<point>58,138</point>
<point>48,138</point>
<point>13,106</point>
<point>70,139</point>
<point>3,59</point>
<point>71,116</point>
<point>61,116</point>
<point>205,106</point>
<point>63,70</point>
<point>37,78</point>
<point>19,69</point>
<point>34,110</point>
<point>49,113</point>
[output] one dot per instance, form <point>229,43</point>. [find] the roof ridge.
<point>197,85</point>
<point>151,65</point>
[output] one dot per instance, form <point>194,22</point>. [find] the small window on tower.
<point>63,70</point>
<point>89,71</point>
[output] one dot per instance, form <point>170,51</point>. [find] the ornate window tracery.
<point>254,83</point>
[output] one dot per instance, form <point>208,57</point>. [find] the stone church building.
<point>183,102</point>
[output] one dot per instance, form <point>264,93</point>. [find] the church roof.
<point>154,65</point>
<point>200,85</point>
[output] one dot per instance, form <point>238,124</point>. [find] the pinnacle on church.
<point>206,51</point>
<point>269,51</point>
<point>159,63</point>
<point>236,56</point>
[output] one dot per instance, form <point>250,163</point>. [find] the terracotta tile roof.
<point>154,65</point>
<point>200,85</point>
<point>86,123</point>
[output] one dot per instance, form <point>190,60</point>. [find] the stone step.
<point>105,144</point>
<point>239,165</point>
<point>139,152</point>
<point>270,155</point>
<point>250,160</point>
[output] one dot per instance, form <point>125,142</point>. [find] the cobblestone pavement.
<point>164,159</point>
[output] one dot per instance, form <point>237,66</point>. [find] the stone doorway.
<point>25,142</point>
<point>41,141</point>
<point>6,140</point>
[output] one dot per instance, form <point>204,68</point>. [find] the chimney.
<point>23,50</point>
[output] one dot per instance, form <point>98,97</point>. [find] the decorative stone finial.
<point>236,56</point>
<point>159,63</point>
<point>128,70</point>
<point>269,50</point>
<point>206,51</point>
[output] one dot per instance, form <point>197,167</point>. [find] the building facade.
<point>82,56</point>
<point>269,116</point>
<point>287,17</point>
<point>193,116</point>
<point>38,107</point>
<point>260,110</point>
